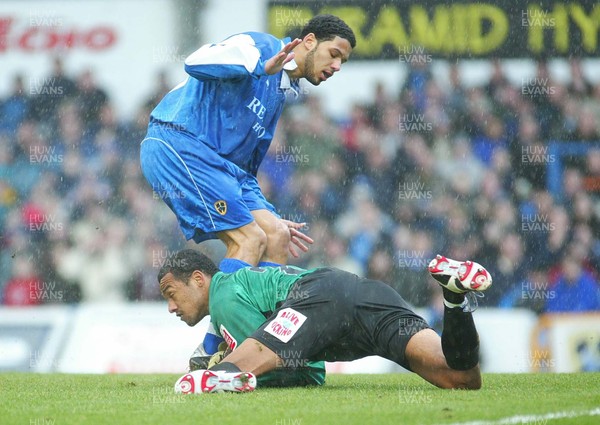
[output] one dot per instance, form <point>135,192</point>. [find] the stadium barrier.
<point>143,338</point>
<point>566,343</point>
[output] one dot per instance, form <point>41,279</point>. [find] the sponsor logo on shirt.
<point>229,339</point>
<point>259,110</point>
<point>286,324</point>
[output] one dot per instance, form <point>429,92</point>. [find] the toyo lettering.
<point>32,39</point>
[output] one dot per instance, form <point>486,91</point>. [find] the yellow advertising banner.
<point>467,29</point>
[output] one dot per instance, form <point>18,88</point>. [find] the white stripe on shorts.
<point>189,173</point>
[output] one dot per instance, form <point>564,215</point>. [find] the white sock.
<point>452,305</point>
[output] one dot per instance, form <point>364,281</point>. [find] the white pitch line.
<point>533,419</point>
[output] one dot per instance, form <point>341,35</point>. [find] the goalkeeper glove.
<point>200,360</point>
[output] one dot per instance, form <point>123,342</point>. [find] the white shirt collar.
<point>286,82</point>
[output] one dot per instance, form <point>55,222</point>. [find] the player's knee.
<point>278,236</point>
<point>256,240</point>
<point>465,380</point>
<point>475,385</point>
<point>247,241</point>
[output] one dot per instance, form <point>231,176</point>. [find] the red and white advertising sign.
<point>125,43</point>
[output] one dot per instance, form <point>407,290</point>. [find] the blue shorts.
<point>207,193</point>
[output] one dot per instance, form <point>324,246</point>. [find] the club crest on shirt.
<point>221,207</point>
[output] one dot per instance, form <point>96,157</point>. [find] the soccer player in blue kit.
<point>209,134</point>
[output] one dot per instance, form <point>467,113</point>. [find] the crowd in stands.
<point>431,169</point>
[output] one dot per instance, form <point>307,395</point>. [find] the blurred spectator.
<point>531,292</point>
<point>381,265</point>
<point>90,98</point>
<point>15,108</point>
<point>462,171</point>
<point>587,126</point>
<point>543,92</point>
<point>579,85</point>
<point>101,261</point>
<point>491,138</point>
<point>381,174</point>
<point>456,101</point>
<point>50,92</point>
<point>24,287</point>
<point>161,88</point>
<point>363,224</point>
<point>413,251</point>
<point>498,80</point>
<point>575,290</point>
<point>529,154</point>
<point>415,85</point>
<point>336,255</point>
<point>591,178</point>
<point>507,270</point>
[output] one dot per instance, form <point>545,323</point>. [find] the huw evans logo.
<point>537,291</point>
<point>414,123</point>
<point>536,154</point>
<point>44,154</point>
<point>537,87</point>
<point>44,223</point>
<point>294,154</point>
<point>536,223</point>
<point>537,18</point>
<point>413,54</point>
<point>413,190</point>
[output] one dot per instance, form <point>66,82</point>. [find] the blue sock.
<point>230,265</point>
<point>211,340</point>
<point>268,264</point>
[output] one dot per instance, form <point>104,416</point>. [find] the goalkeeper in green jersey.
<point>281,323</point>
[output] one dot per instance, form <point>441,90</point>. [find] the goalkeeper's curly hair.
<point>185,262</point>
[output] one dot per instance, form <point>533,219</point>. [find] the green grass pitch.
<point>57,399</point>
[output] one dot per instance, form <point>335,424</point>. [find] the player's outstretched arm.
<point>276,63</point>
<point>234,58</point>
<point>236,373</point>
<point>253,356</point>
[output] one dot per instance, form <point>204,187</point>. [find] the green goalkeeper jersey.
<point>241,302</point>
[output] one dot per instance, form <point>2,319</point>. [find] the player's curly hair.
<point>185,262</point>
<point>327,27</point>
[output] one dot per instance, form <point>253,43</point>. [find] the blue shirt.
<point>228,102</point>
<point>583,295</point>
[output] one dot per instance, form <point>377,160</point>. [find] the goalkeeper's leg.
<point>426,358</point>
<point>451,361</point>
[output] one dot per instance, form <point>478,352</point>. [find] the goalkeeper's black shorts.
<point>334,315</point>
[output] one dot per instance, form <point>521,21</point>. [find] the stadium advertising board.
<point>466,29</point>
<point>566,343</point>
<point>140,338</point>
<point>110,38</point>
<point>31,338</point>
